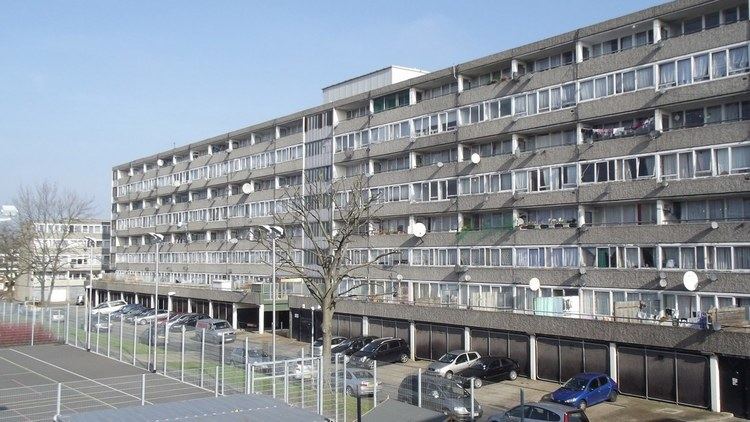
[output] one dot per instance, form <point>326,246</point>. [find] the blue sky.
<point>88,85</point>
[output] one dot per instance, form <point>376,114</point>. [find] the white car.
<point>58,315</point>
<point>303,371</point>
<point>106,308</point>
<point>453,362</point>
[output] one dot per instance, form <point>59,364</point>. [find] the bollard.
<point>419,387</point>
<point>143,390</point>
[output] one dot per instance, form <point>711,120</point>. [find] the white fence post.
<point>320,385</point>
<point>67,323</point>
<point>252,379</point>
<point>302,381</point>
<point>203,353</point>
<point>247,364</point>
<point>98,326</point>
<point>375,387</point>
<point>182,355</point>
<point>286,380</point>
<point>336,384</point>
<point>143,390</point>
<point>419,387</point>
<point>471,415</point>
<point>222,363</point>
<point>216,382</point>
<point>121,325</point>
<point>75,327</point>
<point>166,343</point>
<point>59,400</point>
<point>135,342</point>
<point>343,387</point>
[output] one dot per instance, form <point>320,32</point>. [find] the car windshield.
<point>372,346</point>
<point>362,375</point>
<point>480,363</point>
<point>221,325</point>
<point>575,384</point>
<point>448,358</point>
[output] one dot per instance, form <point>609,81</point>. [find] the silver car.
<point>318,345</point>
<point>359,382</point>
<point>543,411</point>
<point>452,362</point>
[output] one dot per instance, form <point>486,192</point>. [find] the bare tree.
<point>322,259</point>
<point>12,239</point>
<point>47,214</point>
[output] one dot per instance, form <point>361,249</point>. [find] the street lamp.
<point>90,243</point>
<point>158,238</point>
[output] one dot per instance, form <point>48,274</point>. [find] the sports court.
<point>33,377</point>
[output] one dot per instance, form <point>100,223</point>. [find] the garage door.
<point>664,375</point>
<point>560,359</point>
<point>381,327</point>
<point>433,341</point>
<point>502,343</point>
<point>347,325</point>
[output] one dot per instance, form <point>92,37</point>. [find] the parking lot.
<point>498,397</point>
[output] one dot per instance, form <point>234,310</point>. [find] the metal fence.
<point>243,366</point>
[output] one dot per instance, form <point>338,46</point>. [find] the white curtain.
<point>587,90</point>
<point>684,72</point>
<point>719,64</point>
<point>738,60</point>
<point>700,67</point>
<point>666,74</point>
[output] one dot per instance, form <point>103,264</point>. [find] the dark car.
<point>186,320</point>
<point>158,340</point>
<point>352,345</point>
<point>489,368</point>
<point>127,310</point>
<point>441,395</point>
<point>131,316</point>
<point>387,349</point>
<point>585,390</point>
<point>541,412</point>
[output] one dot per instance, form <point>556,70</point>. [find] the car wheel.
<point>404,358</point>
<point>349,391</point>
<point>613,396</point>
<point>449,375</point>
<point>582,405</point>
<point>478,383</point>
<point>512,375</point>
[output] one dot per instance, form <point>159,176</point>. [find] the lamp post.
<point>158,238</point>
<point>91,243</point>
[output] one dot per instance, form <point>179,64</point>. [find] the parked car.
<point>441,395</point>
<point>237,357</point>
<point>489,368</point>
<point>359,382</point>
<point>386,349</point>
<point>99,323</point>
<point>149,316</point>
<point>544,411</point>
<point>352,345</point>
<point>127,310</point>
<point>186,320</point>
<point>133,314</point>
<point>57,315</point>
<point>584,390</point>
<point>216,330</point>
<point>80,300</point>
<point>106,308</point>
<point>158,339</point>
<point>318,344</point>
<point>452,362</point>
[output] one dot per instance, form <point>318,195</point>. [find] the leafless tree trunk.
<point>47,213</point>
<point>325,242</point>
<point>12,239</point>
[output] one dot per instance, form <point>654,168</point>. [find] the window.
<point>398,99</point>
<point>738,60</point>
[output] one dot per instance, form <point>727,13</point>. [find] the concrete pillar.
<point>413,340</point>
<point>613,361</point>
<point>514,143</point>
<point>412,96</point>
<point>715,386</point>
<point>460,83</point>
<point>532,356</point>
<point>210,309</point>
<point>371,106</point>
<point>411,291</point>
<point>371,167</point>
<point>109,296</point>
<point>261,318</point>
<point>135,295</point>
<point>514,66</point>
<point>365,326</point>
<point>234,316</point>
<point>190,305</point>
<point>460,154</point>
<point>579,133</point>
<point>467,338</point>
<point>122,295</point>
<point>169,303</point>
<point>412,160</point>
<point>153,302</point>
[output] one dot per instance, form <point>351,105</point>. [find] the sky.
<point>85,86</point>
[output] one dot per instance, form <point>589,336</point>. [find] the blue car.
<point>585,390</point>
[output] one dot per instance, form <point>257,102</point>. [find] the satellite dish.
<point>520,221</point>
<point>176,183</point>
<point>534,284</point>
<point>247,188</point>
<point>419,230</point>
<point>159,162</point>
<point>179,224</point>
<point>475,158</point>
<point>662,282</point>
<point>233,240</point>
<point>714,225</point>
<point>690,280</point>
<point>440,164</point>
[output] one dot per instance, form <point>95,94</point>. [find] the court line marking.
<point>56,382</point>
<point>76,374</point>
